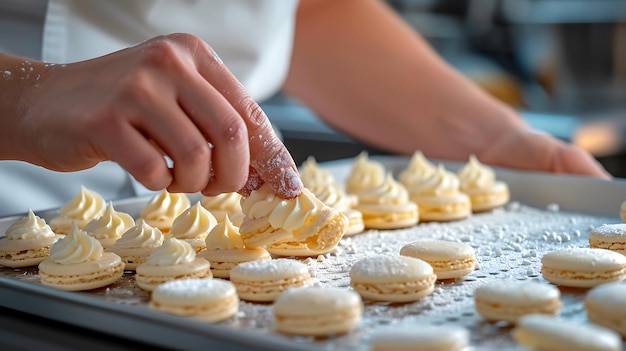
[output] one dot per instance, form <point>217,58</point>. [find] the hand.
<point>525,149</point>
<point>171,96</point>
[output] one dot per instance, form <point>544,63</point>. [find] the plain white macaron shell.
<point>542,332</point>
<point>606,306</point>
<point>420,338</point>
<point>510,299</point>
<point>317,311</point>
<point>583,267</point>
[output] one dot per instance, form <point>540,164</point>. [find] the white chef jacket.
<point>252,37</point>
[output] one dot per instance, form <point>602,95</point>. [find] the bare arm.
<point>367,73</point>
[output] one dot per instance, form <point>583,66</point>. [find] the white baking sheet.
<point>547,212</point>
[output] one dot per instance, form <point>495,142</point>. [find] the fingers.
<point>132,151</point>
<point>254,182</point>
<point>226,131</point>
<point>175,134</point>
<point>572,159</point>
<point>268,156</point>
<point>525,149</point>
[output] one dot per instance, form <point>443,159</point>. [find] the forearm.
<point>384,87</point>
<point>17,77</point>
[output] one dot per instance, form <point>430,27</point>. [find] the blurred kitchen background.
<point>561,63</point>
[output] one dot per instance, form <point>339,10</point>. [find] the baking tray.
<point>547,212</point>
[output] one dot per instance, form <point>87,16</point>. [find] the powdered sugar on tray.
<point>509,244</point>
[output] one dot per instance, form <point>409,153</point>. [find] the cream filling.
<point>71,279</point>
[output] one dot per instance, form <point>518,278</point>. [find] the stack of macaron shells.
<point>77,262</point>
<point>387,205</point>
<point>86,206</point>
<point>136,244</point>
<point>317,311</point>
<point>27,242</point>
<point>265,280</point>
<point>449,259</point>
<point>610,237</point>
<point>305,219</point>
<point>583,267</point>
<point>392,278</point>
<point>508,300</point>
<point>209,299</point>
<point>174,259</point>
<point>480,183</point>
<point>225,249</point>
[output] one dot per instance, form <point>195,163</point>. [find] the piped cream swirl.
<point>194,223</point>
<point>112,224</point>
<point>224,236</point>
<point>475,175</point>
<point>281,213</point>
<point>418,169</point>
<point>364,174</point>
<point>140,235</point>
<point>227,203</point>
<point>333,196</point>
<point>84,207</point>
<point>30,226</point>
<point>442,182</point>
<point>389,192</point>
<point>164,207</point>
<point>172,252</point>
<point>313,176</point>
<point>75,247</point>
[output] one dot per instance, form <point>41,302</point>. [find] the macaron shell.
<point>389,269</point>
<point>485,199</point>
<point>317,311</point>
<point>223,261</point>
<point>443,208</point>
<point>449,259</point>
<point>25,252</point>
<point>504,300</point>
<point>235,255</point>
<point>265,280</point>
<point>330,232</point>
<point>8,245</point>
<point>392,278</point>
<point>606,306</point>
<point>293,248</point>
<point>540,332</point>
<point>259,233</point>
<point>355,222</point>
<point>132,257</point>
<point>609,236</point>
<point>583,267</point>
<point>209,300</point>
<point>82,276</point>
<point>420,338</point>
<point>148,276</point>
<point>389,217</point>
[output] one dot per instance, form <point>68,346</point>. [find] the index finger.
<point>268,155</point>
